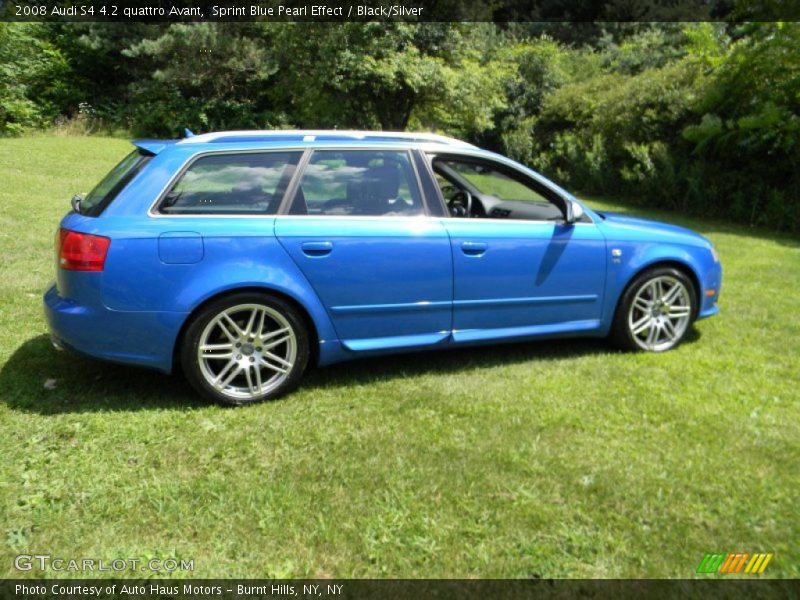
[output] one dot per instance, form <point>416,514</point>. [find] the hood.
<point>634,228</point>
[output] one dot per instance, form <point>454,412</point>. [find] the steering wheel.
<point>459,203</point>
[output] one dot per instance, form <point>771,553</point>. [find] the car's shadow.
<point>37,378</point>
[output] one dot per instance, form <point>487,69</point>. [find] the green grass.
<point>558,458</point>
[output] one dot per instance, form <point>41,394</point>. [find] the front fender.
<point>635,257</point>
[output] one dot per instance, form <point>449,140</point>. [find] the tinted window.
<point>494,183</point>
<point>232,184</point>
<point>371,183</point>
<point>112,184</point>
<point>484,189</point>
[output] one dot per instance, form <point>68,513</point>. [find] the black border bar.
<point>555,11</point>
<point>400,589</point>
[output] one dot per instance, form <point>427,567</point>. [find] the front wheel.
<point>245,348</point>
<point>656,311</point>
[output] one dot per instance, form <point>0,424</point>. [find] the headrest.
<point>383,182</point>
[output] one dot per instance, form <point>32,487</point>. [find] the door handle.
<point>315,249</point>
<point>474,248</point>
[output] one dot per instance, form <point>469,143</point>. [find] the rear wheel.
<point>245,348</point>
<point>656,311</point>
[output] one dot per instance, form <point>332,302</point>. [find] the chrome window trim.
<point>289,193</point>
<point>381,218</point>
<point>525,173</point>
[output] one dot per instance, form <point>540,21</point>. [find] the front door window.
<point>479,188</point>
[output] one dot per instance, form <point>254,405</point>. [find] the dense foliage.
<point>699,117</point>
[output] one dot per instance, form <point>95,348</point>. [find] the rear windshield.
<point>112,184</point>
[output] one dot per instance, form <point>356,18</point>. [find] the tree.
<point>386,76</point>
<point>34,81</point>
<point>203,75</point>
<point>747,133</point>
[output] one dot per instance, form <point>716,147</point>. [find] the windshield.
<point>112,184</point>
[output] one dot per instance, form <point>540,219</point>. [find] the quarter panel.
<point>236,253</point>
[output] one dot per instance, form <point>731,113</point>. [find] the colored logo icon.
<point>735,562</point>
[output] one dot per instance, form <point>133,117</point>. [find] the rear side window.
<point>112,184</point>
<point>245,183</point>
<point>369,183</point>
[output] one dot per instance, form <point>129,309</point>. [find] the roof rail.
<point>321,135</point>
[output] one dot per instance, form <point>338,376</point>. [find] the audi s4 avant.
<point>244,256</point>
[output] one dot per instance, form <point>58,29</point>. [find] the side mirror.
<point>574,212</point>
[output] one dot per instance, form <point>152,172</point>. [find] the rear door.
<point>357,227</point>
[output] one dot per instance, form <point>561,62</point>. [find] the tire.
<point>655,312</point>
<point>245,348</point>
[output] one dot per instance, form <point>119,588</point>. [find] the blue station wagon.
<point>246,255</point>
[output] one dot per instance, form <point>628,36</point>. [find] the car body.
<point>358,243</point>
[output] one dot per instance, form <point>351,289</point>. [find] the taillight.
<point>81,251</point>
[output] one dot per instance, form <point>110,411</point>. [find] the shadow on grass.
<point>39,379</point>
<point>453,360</point>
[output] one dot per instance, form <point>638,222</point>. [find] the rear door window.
<point>364,182</point>
<point>243,183</point>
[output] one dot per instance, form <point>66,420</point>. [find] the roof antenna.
<point>187,133</point>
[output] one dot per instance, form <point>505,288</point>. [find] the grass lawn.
<point>551,459</point>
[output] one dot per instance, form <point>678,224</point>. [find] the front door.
<point>519,269</point>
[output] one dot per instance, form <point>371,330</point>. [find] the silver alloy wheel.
<point>246,351</point>
<point>660,313</point>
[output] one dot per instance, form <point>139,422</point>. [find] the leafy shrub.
<point>698,117</point>
<point>34,81</point>
<point>715,132</point>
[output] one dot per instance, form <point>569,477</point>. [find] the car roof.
<point>304,137</point>
<point>321,135</point>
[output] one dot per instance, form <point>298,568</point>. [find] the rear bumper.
<point>145,339</point>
